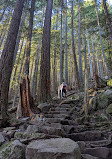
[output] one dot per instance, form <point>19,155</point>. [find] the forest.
<point>45,43</point>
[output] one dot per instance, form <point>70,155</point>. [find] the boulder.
<point>101,152</point>
<point>61,148</point>
<point>44,107</point>
<point>1,138</point>
<point>86,156</point>
<point>32,129</point>
<point>86,136</point>
<point>104,99</point>
<point>52,131</point>
<point>109,110</point>
<point>12,150</point>
<point>27,136</point>
<point>82,146</point>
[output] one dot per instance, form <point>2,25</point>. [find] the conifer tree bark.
<point>79,44</point>
<point>90,62</point>
<point>73,49</point>
<point>66,54</point>
<point>6,61</point>
<point>29,37</point>
<point>20,31</point>
<point>61,53</point>
<point>55,52</point>
<point>45,93</point>
<point>104,57</point>
<point>108,21</point>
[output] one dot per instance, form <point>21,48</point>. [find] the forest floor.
<point>63,119</point>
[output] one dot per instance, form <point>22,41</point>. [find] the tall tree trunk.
<point>20,31</point>
<point>90,63</point>
<point>35,71</point>
<point>79,44</point>
<point>45,56</point>
<point>29,37</point>
<point>6,60</point>
<point>84,48</point>
<point>55,52</point>
<point>93,51</point>
<point>15,71</point>
<point>61,53</point>
<point>66,54</point>
<point>98,61</point>
<point>108,21</point>
<point>98,22</point>
<point>73,49</point>
<point>4,30</point>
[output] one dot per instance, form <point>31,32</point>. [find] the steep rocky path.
<point>94,138</point>
<point>60,121</point>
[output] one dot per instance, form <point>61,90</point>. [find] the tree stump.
<point>27,102</point>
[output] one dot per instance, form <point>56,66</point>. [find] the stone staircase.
<point>59,122</point>
<point>94,144</point>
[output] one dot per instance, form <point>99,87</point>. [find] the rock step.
<point>86,136</point>
<point>60,109</point>
<point>64,106</point>
<point>99,143</point>
<point>59,112</point>
<point>86,156</point>
<point>62,148</point>
<point>52,131</point>
<point>56,116</point>
<point>100,152</point>
<point>54,120</point>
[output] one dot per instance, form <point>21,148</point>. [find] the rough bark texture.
<point>28,43</point>
<point>27,102</point>
<point>66,54</point>
<point>20,31</point>
<point>45,94</point>
<point>61,53</point>
<point>73,50</point>
<point>86,96</point>
<point>55,52</point>
<point>108,21</point>
<point>79,44</point>
<point>6,61</point>
<point>104,58</point>
<point>35,72</point>
<point>90,63</point>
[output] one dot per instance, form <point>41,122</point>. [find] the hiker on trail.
<point>62,89</point>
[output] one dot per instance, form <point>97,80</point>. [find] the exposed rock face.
<point>109,109</point>
<point>12,150</point>
<point>86,156</point>
<point>1,138</point>
<point>86,136</point>
<point>52,149</point>
<point>100,152</point>
<point>104,99</point>
<point>44,107</point>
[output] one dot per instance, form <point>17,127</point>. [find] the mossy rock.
<point>12,149</point>
<point>109,109</point>
<point>25,135</point>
